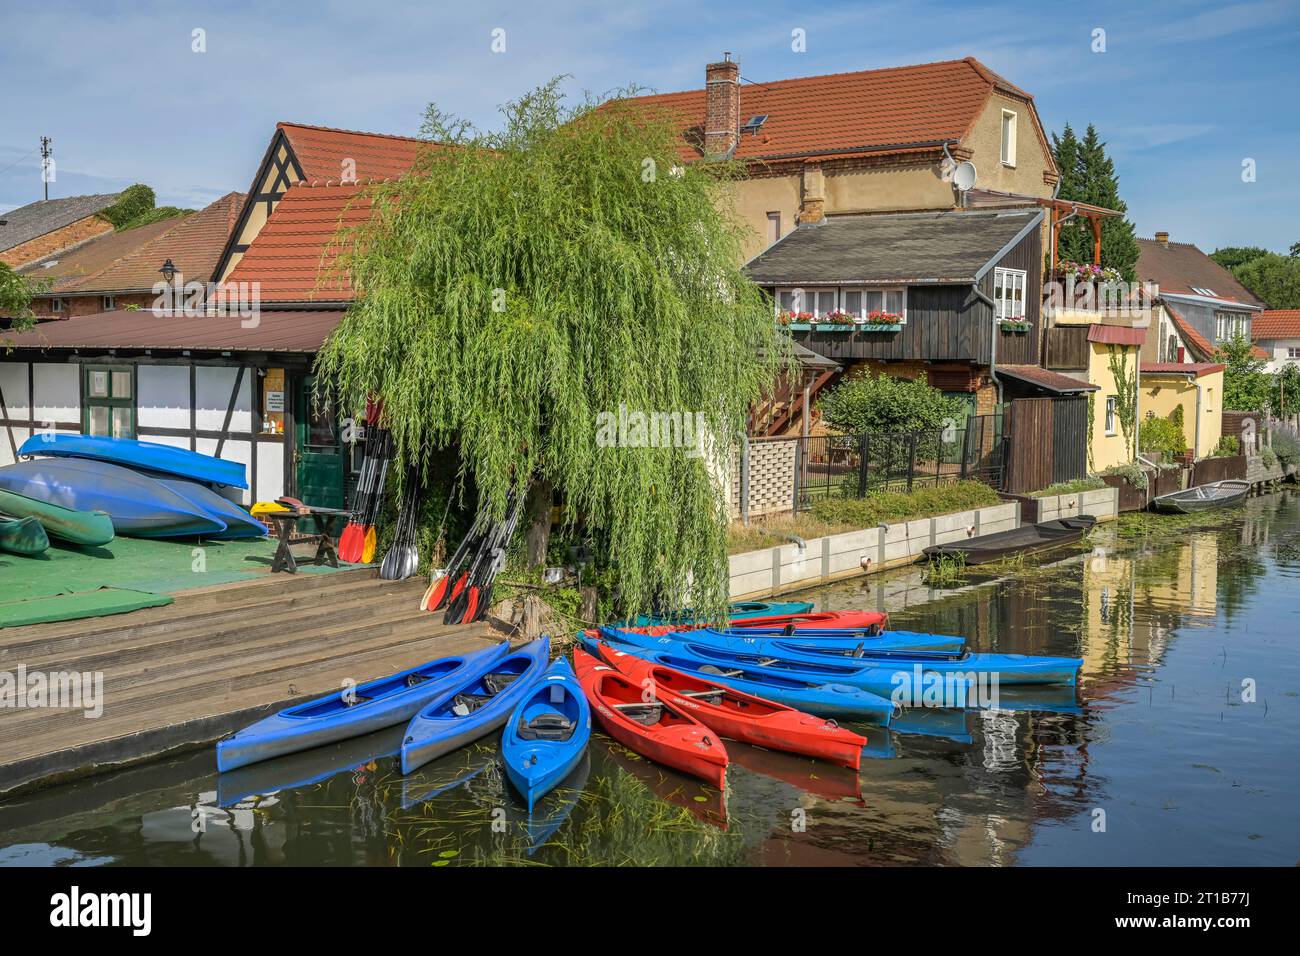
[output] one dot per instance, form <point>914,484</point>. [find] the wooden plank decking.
<point>187,674</point>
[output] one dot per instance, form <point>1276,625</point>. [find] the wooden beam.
<point>1095,222</point>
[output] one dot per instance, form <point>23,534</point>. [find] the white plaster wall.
<point>270,471</point>
<point>163,398</point>
<point>13,389</point>
<point>212,387</point>
<point>58,393</point>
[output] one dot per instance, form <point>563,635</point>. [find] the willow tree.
<point>522,289</point>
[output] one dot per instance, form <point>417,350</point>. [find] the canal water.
<point>1181,747</point>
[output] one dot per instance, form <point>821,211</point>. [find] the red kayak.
<point>875,621</point>
<point>741,716</point>
<point>653,728</point>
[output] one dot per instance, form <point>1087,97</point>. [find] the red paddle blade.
<point>460,586</point>
<point>439,594</point>
<point>347,541</point>
<point>471,605</point>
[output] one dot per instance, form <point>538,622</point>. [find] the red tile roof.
<point>869,111</point>
<point>1194,369</point>
<point>193,244</point>
<point>1193,339</point>
<point>1116,335</point>
<point>1044,378</point>
<point>1181,268</point>
<point>1276,324</point>
<point>322,151</point>
<point>291,252</point>
<point>286,331</point>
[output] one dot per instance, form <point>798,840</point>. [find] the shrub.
<point>1163,435</point>
<point>1091,483</point>
<point>893,506</point>
<point>1269,458</point>
<point>878,403</point>
<point>1228,446</point>
<point>1287,447</point>
<point>1132,473</point>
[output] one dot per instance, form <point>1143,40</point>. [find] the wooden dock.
<point>183,676</point>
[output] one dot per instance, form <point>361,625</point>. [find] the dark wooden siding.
<point>1067,347</point>
<point>1022,348</point>
<point>1030,426</point>
<point>1069,438</point>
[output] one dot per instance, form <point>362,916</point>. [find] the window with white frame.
<point>1008,138</point>
<point>1229,324</point>
<point>863,303</point>
<point>1293,353</point>
<point>109,303</point>
<point>1009,294</point>
<point>1110,414</point>
<point>773,227</point>
<point>56,305</point>
<point>816,301</point>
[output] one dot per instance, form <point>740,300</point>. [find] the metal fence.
<point>853,466</point>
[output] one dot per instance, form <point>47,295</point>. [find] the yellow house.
<point>1196,387</point>
<point>1113,366</point>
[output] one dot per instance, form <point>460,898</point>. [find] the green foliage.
<point>1269,457</point>
<point>1228,447</point>
<point>1274,279</point>
<point>1246,387</point>
<point>134,202</point>
<point>1285,397</point>
<point>1163,435</point>
<point>877,403</point>
<point>520,286</point>
<point>1088,175</point>
<point>888,507</point>
<point>1232,256</point>
<point>1131,472</point>
<point>157,214</point>
<point>1286,446</point>
<point>1126,397</point>
<point>16,293</point>
<point>945,570</point>
<point>1091,483</point>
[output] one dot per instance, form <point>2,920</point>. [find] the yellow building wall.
<point>1107,449</point>
<point>1161,394</point>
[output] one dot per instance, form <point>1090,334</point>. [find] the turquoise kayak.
<point>547,734</point>
<point>91,528</point>
<point>475,706</point>
<point>23,536</point>
<point>131,453</point>
<point>821,697</point>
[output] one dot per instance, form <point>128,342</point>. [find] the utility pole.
<point>46,150</point>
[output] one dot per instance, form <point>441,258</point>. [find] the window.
<point>1008,138</point>
<point>1229,324</point>
<point>1110,414</point>
<point>816,301</point>
<point>109,303</point>
<point>56,305</point>
<point>862,302</point>
<point>1293,353</point>
<point>1009,293</point>
<point>108,401</point>
<point>773,227</point>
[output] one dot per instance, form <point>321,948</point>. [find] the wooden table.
<point>326,521</point>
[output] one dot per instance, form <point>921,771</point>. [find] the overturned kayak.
<point>353,712</point>
<point>653,728</point>
<point>547,734</point>
<point>740,716</point>
<point>91,528</point>
<point>131,453</point>
<point>473,706</point>
<point>23,536</point>
<point>137,505</point>
<point>820,697</point>
<point>239,523</point>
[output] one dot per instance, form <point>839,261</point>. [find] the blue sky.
<point>1183,93</point>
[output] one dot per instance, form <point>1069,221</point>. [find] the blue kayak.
<point>739,611</point>
<point>239,523</point>
<point>306,767</point>
<point>475,706</point>
<point>547,734</point>
<point>849,638</point>
<point>1007,668</point>
<point>137,505</point>
<point>131,453</point>
<point>823,698</point>
<point>361,710</point>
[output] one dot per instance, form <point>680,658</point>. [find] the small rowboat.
<point>474,706</point>
<point>547,734</point>
<point>653,728</point>
<point>1024,540</point>
<point>360,710</point>
<point>23,536</point>
<point>740,716</point>
<point>813,696</point>
<point>1219,494</point>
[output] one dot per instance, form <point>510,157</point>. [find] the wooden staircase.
<point>216,659</point>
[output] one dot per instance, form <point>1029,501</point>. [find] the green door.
<point>318,451</point>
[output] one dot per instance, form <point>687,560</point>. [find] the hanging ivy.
<point>521,287</point>
<point>1125,395</point>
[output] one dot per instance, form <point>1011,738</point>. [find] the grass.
<point>945,571</point>
<point>1091,483</point>
<point>767,533</point>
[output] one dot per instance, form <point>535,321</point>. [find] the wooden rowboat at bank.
<point>1024,540</point>
<point>1219,494</point>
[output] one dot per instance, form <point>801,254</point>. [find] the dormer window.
<point>1008,138</point>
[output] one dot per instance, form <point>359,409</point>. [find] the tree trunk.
<point>538,539</point>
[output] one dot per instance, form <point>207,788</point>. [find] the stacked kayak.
<point>167,459</point>
<point>739,611</point>
<point>23,536</point>
<point>361,710</point>
<point>652,727</point>
<point>740,716</point>
<point>91,528</point>
<point>810,694</point>
<point>835,640</point>
<point>547,735</point>
<point>476,706</point>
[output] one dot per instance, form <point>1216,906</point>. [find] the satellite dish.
<point>964,176</point>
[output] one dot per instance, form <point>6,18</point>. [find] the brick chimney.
<point>722,107</point>
<point>1163,238</point>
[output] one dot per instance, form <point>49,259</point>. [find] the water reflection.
<point>1170,616</point>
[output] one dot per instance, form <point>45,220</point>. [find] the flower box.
<point>879,327</point>
<point>1009,325</point>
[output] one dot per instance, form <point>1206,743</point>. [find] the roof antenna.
<point>47,164</point>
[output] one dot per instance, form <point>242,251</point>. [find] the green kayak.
<point>79,527</point>
<point>22,536</point>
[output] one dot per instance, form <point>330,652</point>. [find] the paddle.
<point>349,547</point>
<point>480,597</point>
<point>440,580</point>
<point>465,598</point>
<point>400,561</point>
<point>377,498</point>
